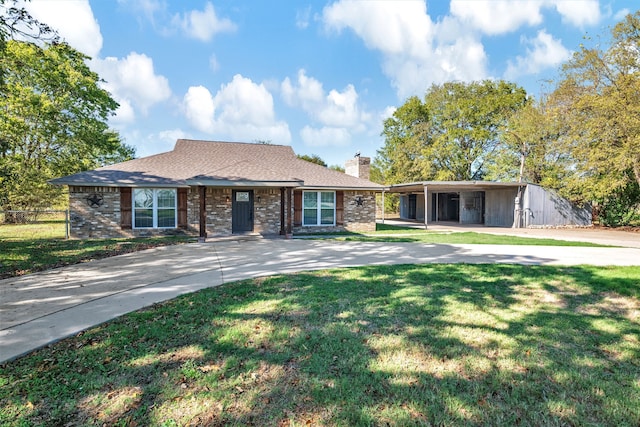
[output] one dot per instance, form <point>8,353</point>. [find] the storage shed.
<point>493,204</point>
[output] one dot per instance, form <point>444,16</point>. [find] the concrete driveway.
<point>41,308</point>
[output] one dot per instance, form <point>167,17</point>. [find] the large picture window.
<point>154,208</point>
<point>319,208</point>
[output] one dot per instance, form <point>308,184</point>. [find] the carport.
<point>488,203</point>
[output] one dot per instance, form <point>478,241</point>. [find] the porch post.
<point>289,201</point>
<point>426,207</point>
<point>282,211</point>
<point>203,213</point>
<point>383,206</point>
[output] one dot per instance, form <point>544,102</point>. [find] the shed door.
<point>413,200</point>
<point>242,211</point>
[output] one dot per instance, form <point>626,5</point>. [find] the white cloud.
<point>132,81</point>
<point>202,25</point>
<point>124,114</point>
<point>325,136</point>
<point>542,52</point>
<point>200,108</point>
<point>505,16</point>
<point>497,16</point>
<point>73,20</point>
<point>579,12</point>
<point>416,51</point>
<point>241,109</point>
<point>335,109</point>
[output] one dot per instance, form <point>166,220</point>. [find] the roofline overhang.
<point>241,183</point>
<point>460,185</point>
<point>319,187</point>
<point>121,184</point>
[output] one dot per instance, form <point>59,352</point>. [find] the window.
<point>154,208</point>
<point>319,208</point>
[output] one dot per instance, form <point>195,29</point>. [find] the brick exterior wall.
<point>101,222</point>
<point>360,218</point>
<point>87,222</point>
<point>266,211</point>
<point>356,218</point>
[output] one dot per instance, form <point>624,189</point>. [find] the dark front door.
<point>242,211</point>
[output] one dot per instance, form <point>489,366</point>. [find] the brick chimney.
<point>358,166</point>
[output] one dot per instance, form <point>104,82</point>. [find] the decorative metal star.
<point>359,201</point>
<point>95,200</point>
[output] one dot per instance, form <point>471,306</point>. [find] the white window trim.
<point>154,209</point>
<point>319,209</point>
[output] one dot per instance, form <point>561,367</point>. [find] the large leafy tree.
<point>401,157</point>
<point>17,22</point>
<point>599,99</point>
<point>53,122</point>
<point>529,150</point>
<point>452,135</point>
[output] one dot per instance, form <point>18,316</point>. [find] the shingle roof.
<point>215,163</point>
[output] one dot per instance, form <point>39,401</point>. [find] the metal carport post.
<point>426,207</point>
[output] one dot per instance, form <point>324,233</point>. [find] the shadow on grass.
<point>380,345</point>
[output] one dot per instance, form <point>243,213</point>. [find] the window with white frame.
<point>154,208</point>
<point>318,207</point>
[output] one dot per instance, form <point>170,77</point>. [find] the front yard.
<point>387,345</point>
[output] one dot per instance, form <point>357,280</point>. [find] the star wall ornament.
<point>95,200</point>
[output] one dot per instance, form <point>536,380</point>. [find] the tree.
<point>337,168</point>
<point>598,99</point>
<point>529,150</point>
<point>53,122</point>
<point>16,22</point>
<point>313,158</point>
<point>401,157</point>
<point>453,135</point>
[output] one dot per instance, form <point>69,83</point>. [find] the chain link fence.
<point>48,222</point>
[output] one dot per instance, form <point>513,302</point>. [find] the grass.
<point>393,233</point>
<point>20,256</point>
<point>53,229</point>
<point>379,345</point>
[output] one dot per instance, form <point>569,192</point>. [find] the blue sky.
<point>320,76</point>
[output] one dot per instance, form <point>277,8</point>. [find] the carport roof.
<point>452,186</point>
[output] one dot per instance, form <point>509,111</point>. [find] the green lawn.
<point>54,229</point>
<point>20,256</point>
<point>393,233</point>
<point>384,345</point>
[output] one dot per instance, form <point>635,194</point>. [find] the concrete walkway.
<point>41,308</point>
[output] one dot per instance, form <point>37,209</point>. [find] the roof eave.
<point>335,187</point>
<point>242,183</point>
<point>119,184</point>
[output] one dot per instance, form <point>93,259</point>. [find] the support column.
<point>282,211</point>
<point>383,206</point>
<point>426,208</point>
<point>202,190</point>
<point>289,207</point>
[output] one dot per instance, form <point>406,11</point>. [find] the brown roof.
<point>219,164</point>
